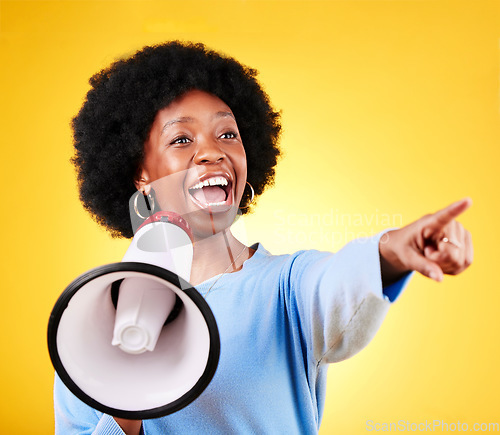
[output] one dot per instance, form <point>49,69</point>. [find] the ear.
<point>141,181</point>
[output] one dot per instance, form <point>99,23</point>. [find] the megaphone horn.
<point>134,339</point>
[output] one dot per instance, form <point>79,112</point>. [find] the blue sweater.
<point>281,320</point>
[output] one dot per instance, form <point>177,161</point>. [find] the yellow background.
<point>390,110</point>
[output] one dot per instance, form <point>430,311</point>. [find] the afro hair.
<point>114,122</point>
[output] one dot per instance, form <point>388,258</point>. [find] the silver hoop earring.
<point>149,202</point>
<point>251,199</point>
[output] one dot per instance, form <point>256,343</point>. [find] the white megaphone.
<point>134,339</point>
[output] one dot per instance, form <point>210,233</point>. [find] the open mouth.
<point>212,192</point>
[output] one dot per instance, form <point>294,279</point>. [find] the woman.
<point>193,132</point>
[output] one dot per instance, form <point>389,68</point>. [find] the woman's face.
<point>195,161</point>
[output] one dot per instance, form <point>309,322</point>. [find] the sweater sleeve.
<point>72,416</point>
<point>339,300</point>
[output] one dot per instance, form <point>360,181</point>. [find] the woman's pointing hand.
<point>433,245</point>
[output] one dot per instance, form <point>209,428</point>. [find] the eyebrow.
<point>176,121</point>
<point>224,114</point>
<point>185,119</point>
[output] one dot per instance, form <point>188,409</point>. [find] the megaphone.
<point>134,339</point>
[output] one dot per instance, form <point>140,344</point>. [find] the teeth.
<point>216,203</point>
<point>214,181</point>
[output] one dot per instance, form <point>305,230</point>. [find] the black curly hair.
<point>116,117</point>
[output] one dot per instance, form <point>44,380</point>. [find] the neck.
<point>220,253</point>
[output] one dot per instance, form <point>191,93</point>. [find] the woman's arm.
<point>342,298</point>
<point>74,416</point>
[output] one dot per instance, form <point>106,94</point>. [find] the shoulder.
<point>287,265</point>
<point>263,256</point>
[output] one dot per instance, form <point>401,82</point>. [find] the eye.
<point>182,140</point>
<point>229,135</point>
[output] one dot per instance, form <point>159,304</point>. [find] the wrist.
<point>130,427</point>
<point>392,268</point>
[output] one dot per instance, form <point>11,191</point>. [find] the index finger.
<point>444,216</point>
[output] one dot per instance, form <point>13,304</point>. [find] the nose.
<point>208,151</point>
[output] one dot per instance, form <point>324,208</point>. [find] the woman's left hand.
<point>434,245</point>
